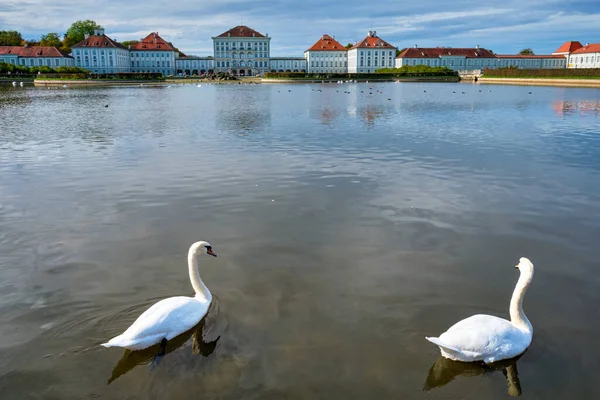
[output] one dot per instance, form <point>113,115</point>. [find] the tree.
<point>349,45</point>
<point>51,39</point>
<point>76,33</point>
<point>130,43</point>
<point>32,42</point>
<point>526,52</point>
<point>10,38</point>
<point>176,49</point>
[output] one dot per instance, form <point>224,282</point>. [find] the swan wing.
<point>484,337</point>
<point>165,319</point>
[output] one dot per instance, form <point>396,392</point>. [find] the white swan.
<point>170,317</point>
<point>487,338</point>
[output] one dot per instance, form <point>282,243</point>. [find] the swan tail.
<point>445,347</point>
<point>117,341</point>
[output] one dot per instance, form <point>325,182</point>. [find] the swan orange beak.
<point>517,266</point>
<point>210,252</point>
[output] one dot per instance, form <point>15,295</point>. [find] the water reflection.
<point>444,371</point>
<point>131,359</point>
<point>584,107</point>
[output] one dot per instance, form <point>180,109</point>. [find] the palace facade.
<point>244,51</point>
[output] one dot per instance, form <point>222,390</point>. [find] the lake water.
<point>349,226</point>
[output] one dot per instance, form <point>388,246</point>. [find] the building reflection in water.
<point>584,107</point>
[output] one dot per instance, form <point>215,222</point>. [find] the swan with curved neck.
<point>172,316</point>
<point>487,338</point>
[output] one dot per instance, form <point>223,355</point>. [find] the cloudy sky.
<point>503,26</point>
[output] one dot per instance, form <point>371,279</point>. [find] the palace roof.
<point>241,31</point>
<point>327,43</point>
<point>152,42</point>
<point>35,51</point>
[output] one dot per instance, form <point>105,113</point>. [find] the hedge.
<point>23,69</point>
<point>542,73</point>
<point>379,74</point>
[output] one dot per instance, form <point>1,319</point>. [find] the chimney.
<point>415,46</point>
<point>587,44</point>
<point>86,36</point>
<point>476,46</point>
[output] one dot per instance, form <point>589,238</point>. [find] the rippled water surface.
<point>349,226</point>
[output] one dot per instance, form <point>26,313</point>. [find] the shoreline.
<point>60,82</point>
<point>592,83</point>
<point>334,80</point>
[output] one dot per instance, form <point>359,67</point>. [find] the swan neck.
<point>517,315</point>
<point>202,292</point>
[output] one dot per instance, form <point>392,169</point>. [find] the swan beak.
<point>517,266</point>
<point>210,252</point>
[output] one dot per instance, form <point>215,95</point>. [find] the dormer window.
<point>95,43</point>
<point>106,43</point>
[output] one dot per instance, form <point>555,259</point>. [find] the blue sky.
<point>503,26</point>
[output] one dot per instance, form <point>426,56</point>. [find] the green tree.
<point>32,42</point>
<point>130,42</point>
<point>10,38</point>
<point>76,33</point>
<point>349,45</point>
<point>51,39</point>
<point>526,52</point>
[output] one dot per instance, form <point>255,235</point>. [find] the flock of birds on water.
<point>480,338</point>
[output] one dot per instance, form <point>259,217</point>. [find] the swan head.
<point>202,247</point>
<point>525,266</point>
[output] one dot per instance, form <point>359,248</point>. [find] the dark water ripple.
<point>348,227</point>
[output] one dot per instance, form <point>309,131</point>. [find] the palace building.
<point>242,51</point>
<point>100,54</point>
<point>37,56</point>
<point>153,54</point>
<point>327,55</point>
<point>370,54</point>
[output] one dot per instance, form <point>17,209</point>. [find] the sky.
<point>504,27</point>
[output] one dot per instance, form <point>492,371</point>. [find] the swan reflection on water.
<point>154,354</point>
<point>444,371</point>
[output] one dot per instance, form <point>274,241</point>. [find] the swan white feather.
<point>169,317</point>
<point>487,338</point>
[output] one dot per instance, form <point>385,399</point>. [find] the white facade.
<point>242,51</point>
<point>371,54</point>
<point>191,65</point>
<point>287,64</point>
<point>153,61</point>
<point>101,55</point>
<point>370,60</point>
<point>531,62</point>
<point>327,61</point>
<point>587,57</point>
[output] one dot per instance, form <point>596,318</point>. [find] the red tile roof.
<point>327,43</point>
<point>371,42</point>
<point>529,56</point>
<point>152,42</point>
<point>568,47</point>
<point>35,51</point>
<point>99,41</point>
<point>436,52</point>
<point>588,48</point>
<point>241,31</point>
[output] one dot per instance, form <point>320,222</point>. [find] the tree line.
<point>75,34</point>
